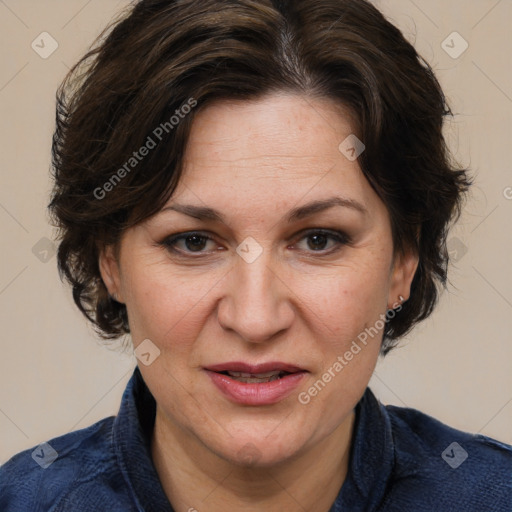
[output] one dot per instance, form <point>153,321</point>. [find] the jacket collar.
<point>371,460</point>
<point>131,437</point>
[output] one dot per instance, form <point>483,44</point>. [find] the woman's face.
<point>288,262</point>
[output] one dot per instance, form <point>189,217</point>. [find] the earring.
<point>396,305</point>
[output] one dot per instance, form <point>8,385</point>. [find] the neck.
<point>195,478</point>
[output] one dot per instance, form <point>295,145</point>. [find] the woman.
<point>259,193</point>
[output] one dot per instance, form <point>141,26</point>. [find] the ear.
<point>110,272</point>
<point>402,274</point>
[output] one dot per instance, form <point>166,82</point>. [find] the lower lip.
<point>265,393</point>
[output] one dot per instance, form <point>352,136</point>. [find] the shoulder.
<point>448,467</point>
<point>66,470</point>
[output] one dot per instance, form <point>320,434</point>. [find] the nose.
<point>256,304</point>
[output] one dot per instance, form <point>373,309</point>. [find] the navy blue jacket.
<point>401,460</point>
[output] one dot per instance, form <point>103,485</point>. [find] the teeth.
<point>254,375</point>
<point>256,378</point>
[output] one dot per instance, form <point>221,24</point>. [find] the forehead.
<point>279,143</point>
<point>277,125</point>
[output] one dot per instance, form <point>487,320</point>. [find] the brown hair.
<point>166,54</point>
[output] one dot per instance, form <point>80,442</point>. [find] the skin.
<point>302,301</point>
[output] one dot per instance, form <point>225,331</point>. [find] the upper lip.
<point>238,366</point>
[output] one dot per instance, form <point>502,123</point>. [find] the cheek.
<point>345,309</point>
<point>347,299</point>
<point>162,304</point>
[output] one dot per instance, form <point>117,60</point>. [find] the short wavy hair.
<point>149,64</point>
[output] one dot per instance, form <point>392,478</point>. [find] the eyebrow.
<point>298,213</point>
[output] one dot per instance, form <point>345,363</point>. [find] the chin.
<point>253,451</point>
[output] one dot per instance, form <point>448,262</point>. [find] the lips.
<point>260,384</point>
<point>254,369</point>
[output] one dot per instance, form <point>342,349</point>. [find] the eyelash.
<point>339,237</point>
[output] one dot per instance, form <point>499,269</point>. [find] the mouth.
<point>255,378</point>
<point>255,373</point>
<point>260,384</point>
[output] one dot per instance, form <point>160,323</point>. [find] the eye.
<point>318,241</point>
<point>190,242</point>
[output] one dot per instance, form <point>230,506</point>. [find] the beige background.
<point>54,374</point>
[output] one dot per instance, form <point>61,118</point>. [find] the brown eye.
<point>187,242</point>
<point>195,243</point>
<point>323,241</point>
<point>317,242</point>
